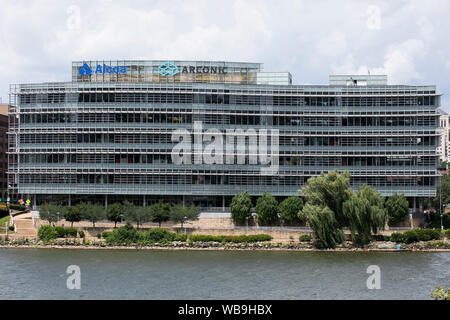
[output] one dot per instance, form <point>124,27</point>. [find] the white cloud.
<point>309,38</point>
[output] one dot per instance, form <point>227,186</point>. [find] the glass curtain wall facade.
<point>109,137</point>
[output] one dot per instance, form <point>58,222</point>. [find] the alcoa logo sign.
<point>86,70</point>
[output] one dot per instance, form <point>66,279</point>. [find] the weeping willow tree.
<point>330,190</point>
<point>365,214</point>
<point>326,228</point>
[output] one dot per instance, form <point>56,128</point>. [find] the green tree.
<point>93,212</point>
<point>445,186</point>
<point>325,226</point>
<point>82,207</point>
<point>160,212</point>
<point>180,214</point>
<point>136,214</point>
<point>142,215</point>
<point>365,213</point>
<point>114,212</point>
<point>441,294</point>
<point>266,208</point>
<point>397,207</point>
<point>72,214</point>
<point>193,213</point>
<point>241,207</point>
<point>290,209</point>
<point>128,211</point>
<point>49,212</point>
<point>330,190</point>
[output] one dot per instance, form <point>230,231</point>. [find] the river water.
<point>146,274</point>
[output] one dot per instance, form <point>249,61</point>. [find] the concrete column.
<point>143,201</point>
<point>106,201</point>
<point>223,203</point>
<point>183,201</point>
<point>414,204</point>
<point>70,200</point>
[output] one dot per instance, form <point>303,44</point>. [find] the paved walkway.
<point>24,227</point>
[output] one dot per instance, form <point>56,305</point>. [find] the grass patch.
<point>4,220</point>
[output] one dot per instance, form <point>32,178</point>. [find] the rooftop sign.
<point>168,68</point>
<point>86,70</point>
<point>165,71</point>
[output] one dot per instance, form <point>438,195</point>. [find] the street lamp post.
<point>246,226</point>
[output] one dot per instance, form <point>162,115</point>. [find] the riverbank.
<point>431,246</point>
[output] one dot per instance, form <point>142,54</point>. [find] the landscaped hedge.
<point>446,233</point>
<point>47,233</point>
<point>235,239</point>
<point>380,237</point>
<point>305,238</point>
<point>416,235</point>
<point>17,207</point>
<point>105,234</point>
<point>128,235</point>
<point>4,212</point>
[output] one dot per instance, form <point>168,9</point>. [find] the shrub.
<point>60,231</point>
<point>124,235</point>
<point>305,238</point>
<point>421,235</point>
<point>4,212</point>
<point>17,207</point>
<point>257,238</point>
<point>427,234</point>
<point>416,235</point>
<point>81,233</point>
<point>446,233</point>
<point>99,235</point>
<point>158,235</point>
<point>380,237</point>
<point>441,293</point>
<point>204,238</point>
<point>180,237</point>
<point>397,237</point>
<point>47,233</point>
<point>438,245</point>
<point>11,228</point>
<point>106,234</point>
<point>71,232</point>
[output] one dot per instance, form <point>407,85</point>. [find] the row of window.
<point>283,160</point>
<point>283,140</point>
<point>271,100</point>
<point>159,179</point>
<point>256,120</point>
<point>211,180</point>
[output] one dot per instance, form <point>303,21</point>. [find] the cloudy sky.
<point>407,40</point>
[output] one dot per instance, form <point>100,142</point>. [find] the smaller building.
<point>443,148</point>
<point>3,151</point>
